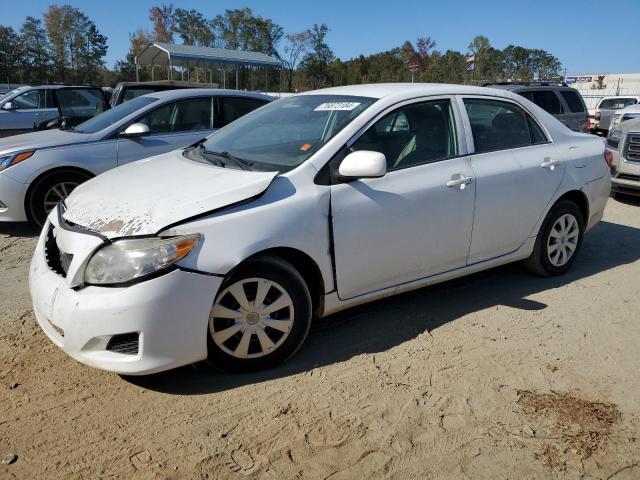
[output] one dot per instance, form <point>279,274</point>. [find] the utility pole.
<point>414,67</point>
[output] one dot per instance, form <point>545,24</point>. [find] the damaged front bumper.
<point>144,328</point>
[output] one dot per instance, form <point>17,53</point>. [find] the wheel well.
<point>305,265</point>
<point>580,199</point>
<point>48,173</point>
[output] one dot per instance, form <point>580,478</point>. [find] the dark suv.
<point>557,98</point>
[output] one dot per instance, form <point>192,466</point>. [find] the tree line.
<point>65,46</point>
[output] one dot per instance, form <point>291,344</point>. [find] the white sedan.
<point>310,205</point>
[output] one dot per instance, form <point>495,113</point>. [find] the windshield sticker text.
<point>347,106</point>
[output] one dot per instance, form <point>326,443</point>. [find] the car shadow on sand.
<point>381,325</point>
<point>19,229</point>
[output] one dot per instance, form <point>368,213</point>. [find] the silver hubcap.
<point>563,240</point>
<point>251,318</point>
<point>58,192</point>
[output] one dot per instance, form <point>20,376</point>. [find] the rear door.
<point>173,125</point>
<point>517,172</point>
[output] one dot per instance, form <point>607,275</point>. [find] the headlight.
<point>8,160</point>
<point>125,260</point>
<point>614,134</point>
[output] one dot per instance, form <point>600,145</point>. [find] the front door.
<point>517,171</point>
<point>171,126</point>
<point>416,220</point>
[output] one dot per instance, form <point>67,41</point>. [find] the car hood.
<point>43,139</point>
<point>146,196</point>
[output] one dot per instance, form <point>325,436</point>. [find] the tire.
<point>42,197</point>
<point>238,344</point>
<point>541,261</point>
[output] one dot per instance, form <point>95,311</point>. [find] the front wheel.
<point>558,241</point>
<point>260,318</point>
<point>49,191</point>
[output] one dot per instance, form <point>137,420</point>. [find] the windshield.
<point>117,113</point>
<point>283,134</point>
<point>616,103</point>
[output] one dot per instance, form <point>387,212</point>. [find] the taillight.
<point>587,125</point>
<point>608,157</point>
<point>597,115</point>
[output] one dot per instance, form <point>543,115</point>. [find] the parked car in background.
<point>39,169</point>
<point>126,91</point>
<point>313,203</point>
<point>625,149</point>
<point>25,107</point>
<point>628,113</point>
<point>557,98</point>
<point>606,109</point>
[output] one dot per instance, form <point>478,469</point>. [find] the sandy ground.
<point>497,376</point>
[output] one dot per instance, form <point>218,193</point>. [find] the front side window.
<point>498,125</point>
<point>573,100</point>
<point>232,108</point>
<point>182,116</point>
<point>412,135</point>
<point>285,133</point>
<point>28,100</point>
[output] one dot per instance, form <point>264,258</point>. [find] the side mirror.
<point>363,164</point>
<point>135,130</point>
<point>8,106</point>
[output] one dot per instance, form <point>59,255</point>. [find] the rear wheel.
<point>50,190</point>
<point>558,241</point>
<point>260,318</point>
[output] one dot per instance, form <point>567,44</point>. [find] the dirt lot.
<point>499,375</point>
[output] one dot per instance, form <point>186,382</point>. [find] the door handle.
<point>549,164</point>
<point>459,180</point>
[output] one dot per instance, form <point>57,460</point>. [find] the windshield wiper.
<point>241,162</point>
<point>205,153</point>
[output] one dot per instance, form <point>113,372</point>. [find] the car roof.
<point>380,90</point>
<point>205,92</point>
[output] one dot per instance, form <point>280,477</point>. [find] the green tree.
<point>315,64</point>
<point>125,69</point>
<point>11,53</point>
<point>36,50</point>
<point>193,28</point>
<point>77,47</point>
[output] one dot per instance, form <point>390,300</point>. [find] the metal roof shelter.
<point>187,56</point>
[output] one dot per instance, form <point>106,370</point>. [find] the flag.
<point>470,58</point>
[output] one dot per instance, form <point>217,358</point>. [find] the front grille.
<point>632,147</point>
<point>626,176</point>
<point>125,343</point>
<point>57,260</point>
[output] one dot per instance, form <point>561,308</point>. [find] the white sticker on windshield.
<point>323,107</point>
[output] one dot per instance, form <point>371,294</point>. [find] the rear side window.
<point>498,125</point>
<point>547,100</point>
<point>573,100</point>
<point>80,102</point>
<point>232,108</point>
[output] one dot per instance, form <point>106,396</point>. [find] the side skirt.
<point>333,304</point>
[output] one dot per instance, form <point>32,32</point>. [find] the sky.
<point>582,34</point>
